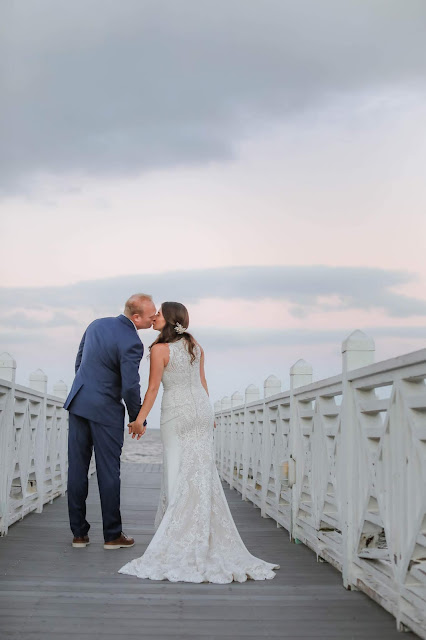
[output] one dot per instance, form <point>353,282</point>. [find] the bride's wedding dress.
<point>196,539</point>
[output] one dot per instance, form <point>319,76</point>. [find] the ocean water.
<point>148,449</point>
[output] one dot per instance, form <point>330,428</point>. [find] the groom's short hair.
<point>135,304</point>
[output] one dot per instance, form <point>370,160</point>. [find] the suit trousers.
<point>107,441</point>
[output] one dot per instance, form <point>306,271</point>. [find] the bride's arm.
<point>202,374</point>
<point>158,360</point>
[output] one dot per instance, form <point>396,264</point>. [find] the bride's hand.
<point>136,428</point>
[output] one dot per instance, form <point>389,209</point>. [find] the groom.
<point>106,371</point>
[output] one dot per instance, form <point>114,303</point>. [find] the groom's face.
<point>145,318</point>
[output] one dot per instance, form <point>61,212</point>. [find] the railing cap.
<point>60,389</point>
<point>272,381</point>
<point>358,341</point>
<point>38,374</point>
<point>301,367</point>
<point>271,386</point>
<point>226,402</point>
<point>236,399</point>
<point>7,361</point>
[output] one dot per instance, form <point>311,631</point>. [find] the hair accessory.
<point>179,328</point>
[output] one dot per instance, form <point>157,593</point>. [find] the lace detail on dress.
<point>162,504</point>
<point>196,539</point>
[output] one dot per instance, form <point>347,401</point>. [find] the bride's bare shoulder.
<point>160,347</point>
<point>160,351</point>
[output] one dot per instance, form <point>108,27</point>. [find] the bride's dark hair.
<point>173,313</point>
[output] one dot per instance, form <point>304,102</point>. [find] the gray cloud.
<point>225,339</point>
<point>107,88</point>
<point>230,339</point>
<point>22,320</point>
<point>304,286</point>
<point>10,339</point>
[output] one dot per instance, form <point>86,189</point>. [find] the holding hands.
<point>137,428</point>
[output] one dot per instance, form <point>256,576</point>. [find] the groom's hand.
<point>136,429</point>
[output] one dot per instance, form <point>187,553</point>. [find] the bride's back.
<point>180,371</point>
<point>185,407</point>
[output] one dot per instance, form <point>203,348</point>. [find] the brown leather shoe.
<point>120,543</point>
<point>80,542</point>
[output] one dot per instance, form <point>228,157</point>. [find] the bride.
<point>196,539</point>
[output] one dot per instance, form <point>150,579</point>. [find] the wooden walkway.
<point>50,591</point>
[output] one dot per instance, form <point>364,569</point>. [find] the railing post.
<point>38,381</point>
<point>217,431</point>
<point>252,394</point>
<point>271,387</point>
<point>225,405</point>
<point>357,351</point>
<point>300,375</point>
<point>236,401</point>
<point>60,390</point>
<point>7,367</point>
<point>7,372</point>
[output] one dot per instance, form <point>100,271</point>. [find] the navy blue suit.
<point>106,372</point>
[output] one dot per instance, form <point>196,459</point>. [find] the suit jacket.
<point>107,371</point>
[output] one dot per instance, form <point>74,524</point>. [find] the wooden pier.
<point>50,591</point>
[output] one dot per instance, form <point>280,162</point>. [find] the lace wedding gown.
<point>196,539</point>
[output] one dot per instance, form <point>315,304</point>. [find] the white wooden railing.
<point>33,444</point>
<point>341,464</point>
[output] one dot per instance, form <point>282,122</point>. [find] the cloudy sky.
<point>262,162</point>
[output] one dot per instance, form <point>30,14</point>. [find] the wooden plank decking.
<point>50,591</point>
